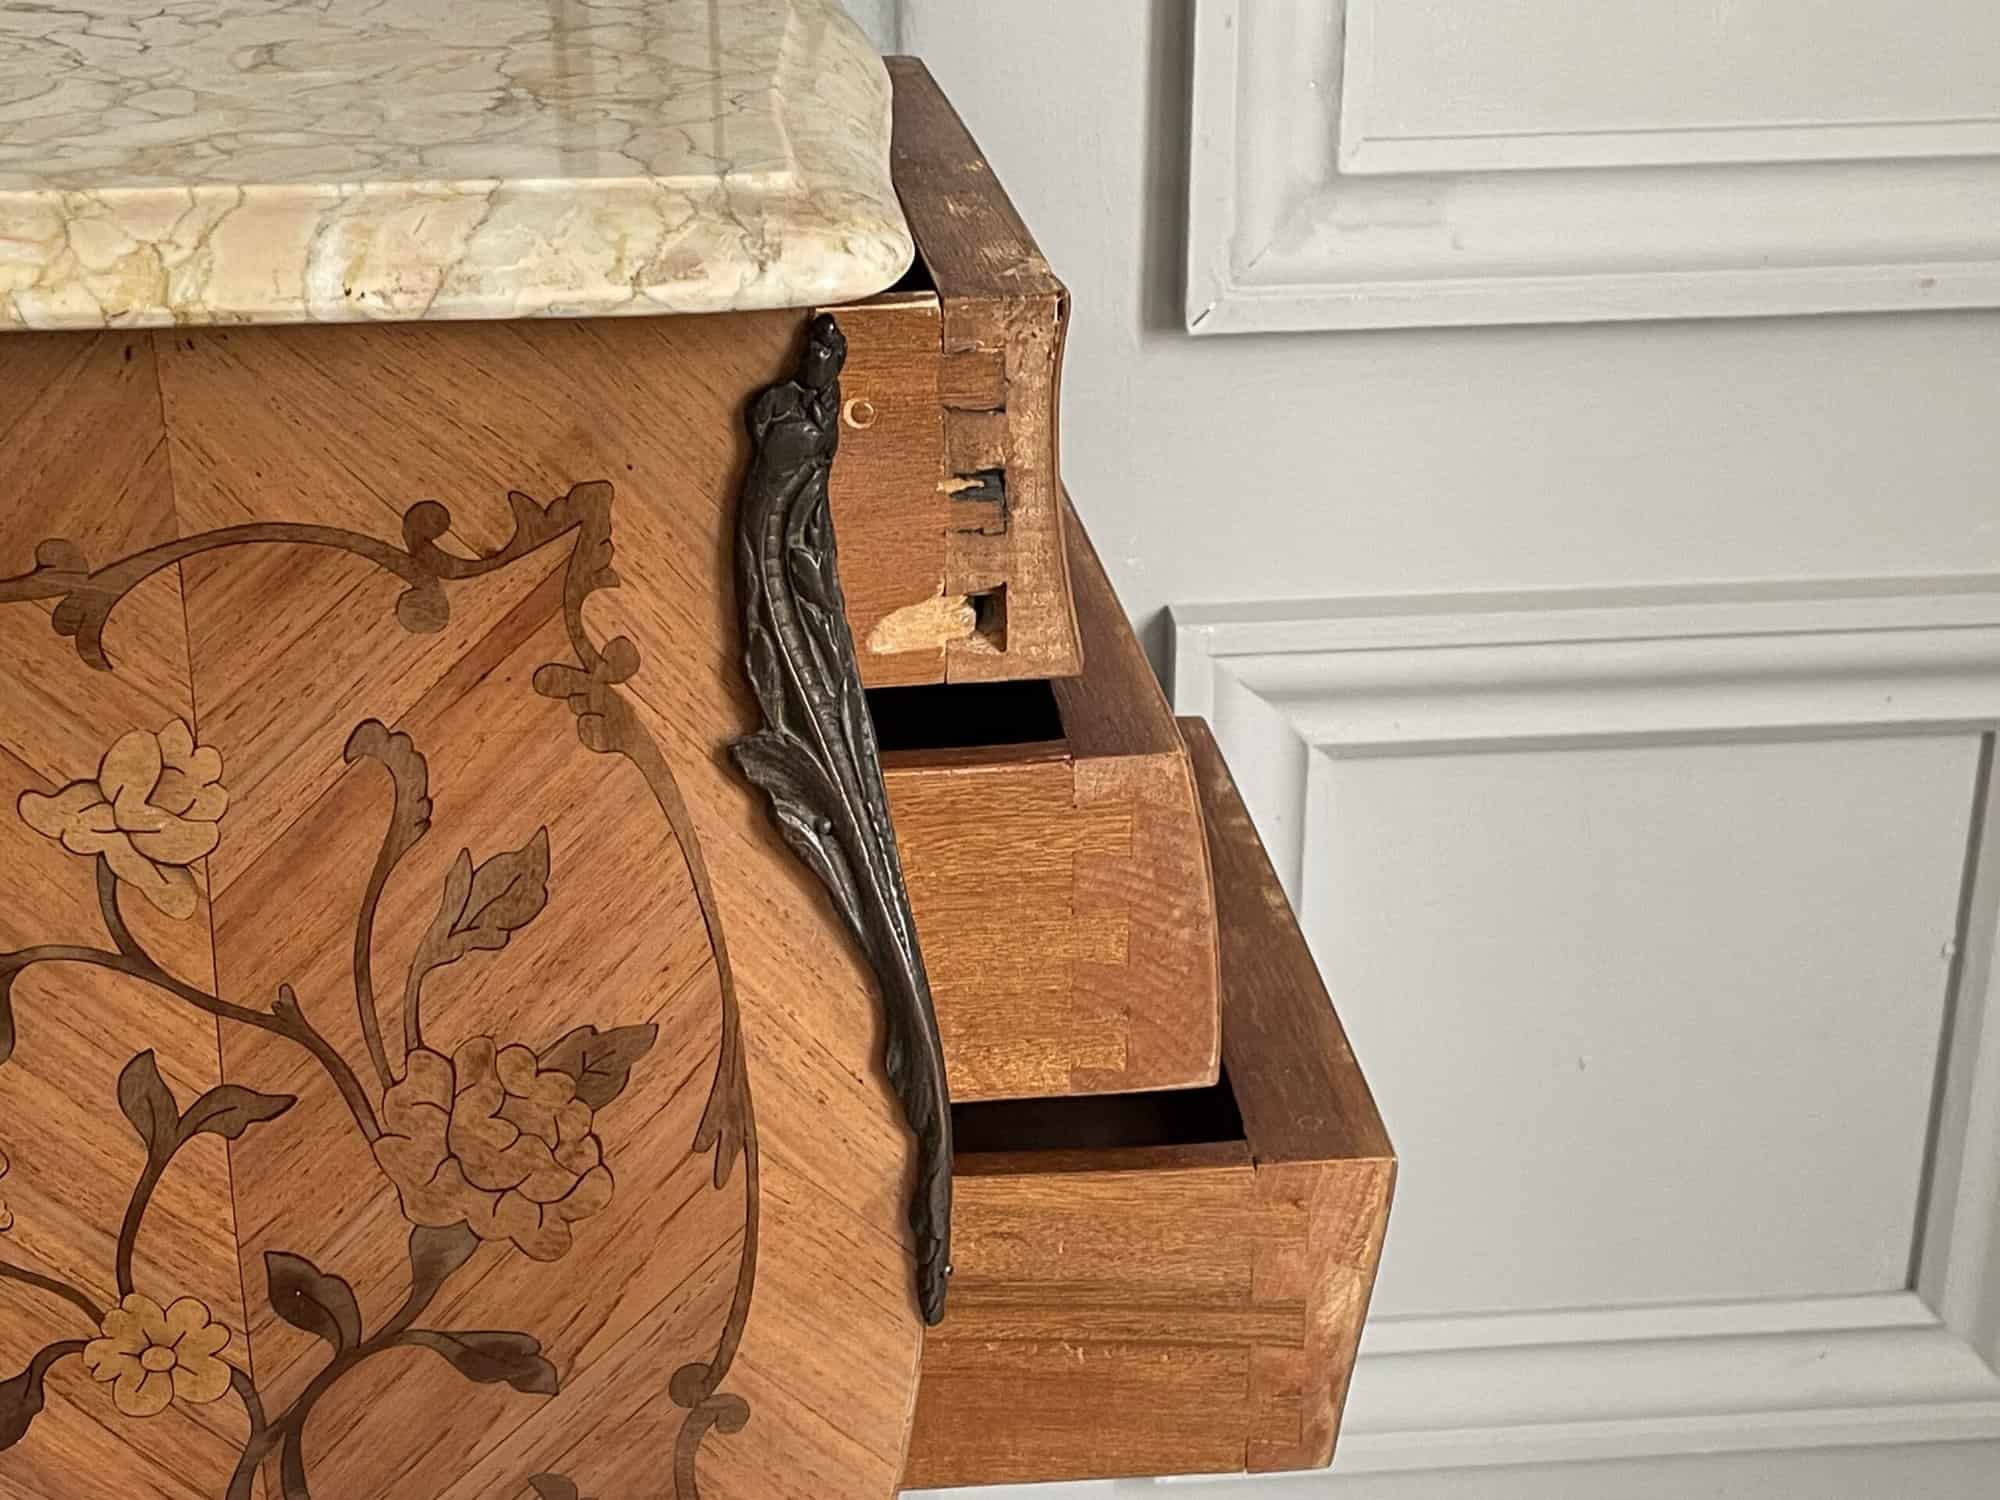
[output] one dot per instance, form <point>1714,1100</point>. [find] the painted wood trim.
<point>1625,1383</point>
<point>1281,239</point>
<point>1369,145</point>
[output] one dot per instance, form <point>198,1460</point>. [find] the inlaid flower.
<point>152,811</point>
<point>150,1356</point>
<point>491,1138</point>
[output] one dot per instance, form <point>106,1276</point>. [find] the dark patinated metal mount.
<point>816,754</point>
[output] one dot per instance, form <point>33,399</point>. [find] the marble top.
<point>284,161</point>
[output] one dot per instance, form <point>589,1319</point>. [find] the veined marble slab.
<point>284,161</point>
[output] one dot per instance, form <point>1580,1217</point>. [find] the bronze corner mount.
<point>815,756</point>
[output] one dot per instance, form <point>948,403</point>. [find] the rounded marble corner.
<point>760,180</point>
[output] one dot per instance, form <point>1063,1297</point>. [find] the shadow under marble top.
<point>278,161</point>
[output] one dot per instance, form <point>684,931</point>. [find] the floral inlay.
<point>151,1356</point>
<point>153,810</point>
<point>490,1144</point>
<point>491,1148</point>
<point>491,1138</point>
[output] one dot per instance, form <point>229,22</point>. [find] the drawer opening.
<point>964,716</point>
<point>918,278</point>
<point>1099,1122</point>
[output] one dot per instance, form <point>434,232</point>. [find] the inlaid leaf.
<point>149,1104</point>
<point>307,1297</point>
<point>482,906</point>
<point>554,1487</point>
<point>531,517</point>
<point>492,1358</point>
<point>230,1110</point>
<point>21,1397</point>
<point>7,1013</point>
<point>435,1254</point>
<point>508,891</point>
<point>58,554</point>
<point>20,1404</point>
<point>600,1061</point>
<point>436,947</point>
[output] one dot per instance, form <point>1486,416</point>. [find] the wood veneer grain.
<point>1005,316</point>
<point>289,587</point>
<point>1062,889</point>
<point>1169,1283</point>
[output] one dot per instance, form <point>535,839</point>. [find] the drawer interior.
<point>1096,1122</point>
<point>911,723</point>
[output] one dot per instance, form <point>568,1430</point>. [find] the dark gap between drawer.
<point>964,716</point>
<point>1099,1122</point>
<point>917,279</point>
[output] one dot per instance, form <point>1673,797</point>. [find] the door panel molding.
<point>1305,212</point>
<point>1652,1382</point>
<point>1439,86</point>
<point>1291,687</point>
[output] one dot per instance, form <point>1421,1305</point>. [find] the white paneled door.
<point>1664,921</point>
<point>1447,86</point>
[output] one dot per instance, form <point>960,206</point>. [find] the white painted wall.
<point>1644,926</point>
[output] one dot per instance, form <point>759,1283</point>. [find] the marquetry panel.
<point>370,704</point>
<point>84,1045</point>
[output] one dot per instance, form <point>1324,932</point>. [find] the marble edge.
<point>471,250</point>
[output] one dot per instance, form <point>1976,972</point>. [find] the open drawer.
<point>1170,1283</point>
<point>945,494</point>
<point>1052,843</point>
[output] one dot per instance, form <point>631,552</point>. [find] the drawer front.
<point>1060,886</point>
<point>1172,1283</point>
<point>945,493</point>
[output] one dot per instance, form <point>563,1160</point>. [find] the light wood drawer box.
<point>1060,881</point>
<point>1171,1283</point>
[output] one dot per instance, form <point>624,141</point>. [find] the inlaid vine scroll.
<point>550,1097</point>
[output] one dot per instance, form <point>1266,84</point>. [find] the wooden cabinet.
<point>425,1066</point>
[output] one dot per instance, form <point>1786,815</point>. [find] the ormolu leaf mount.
<point>816,754</point>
